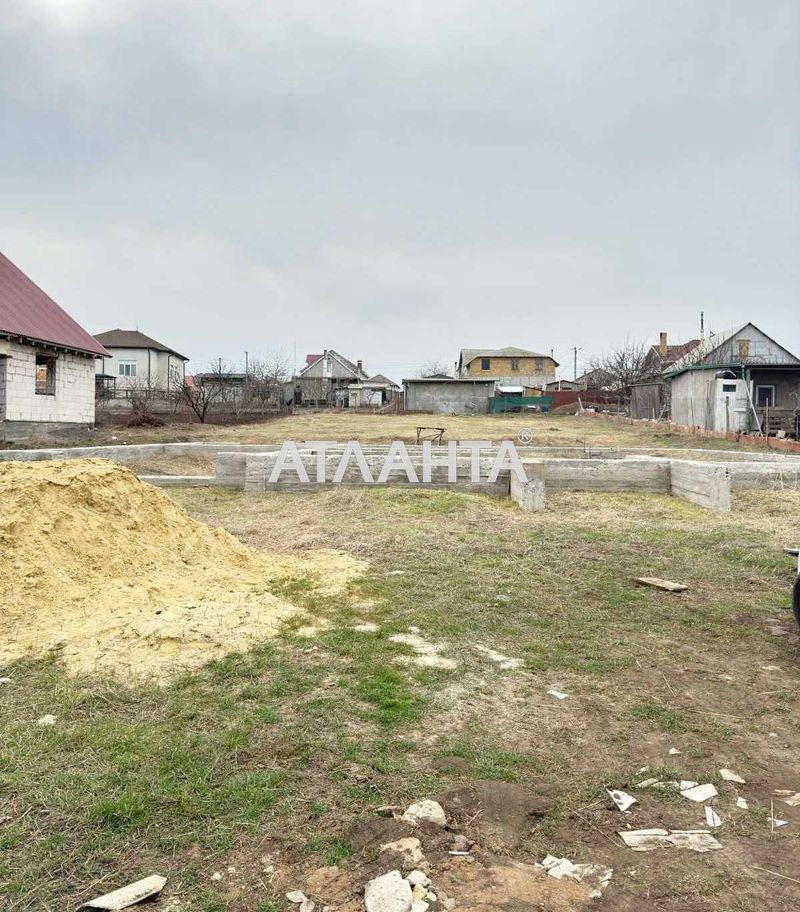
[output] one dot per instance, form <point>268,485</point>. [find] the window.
<point>45,375</point>
<point>539,365</point>
<point>486,364</point>
<point>728,387</point>
<point>765,396</point>
<point>127,368</point>
<point>515,364</point>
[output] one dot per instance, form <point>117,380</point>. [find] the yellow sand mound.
<point>116,577</point>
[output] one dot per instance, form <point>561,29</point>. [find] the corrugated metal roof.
<point>25,310</point>
<point>132,338</point>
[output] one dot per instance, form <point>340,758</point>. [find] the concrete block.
<point>705,484</point>
<point>529,495</point>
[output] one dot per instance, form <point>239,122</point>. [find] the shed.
<point>448,396</point>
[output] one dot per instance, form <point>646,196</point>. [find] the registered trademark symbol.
<point>525,435</point>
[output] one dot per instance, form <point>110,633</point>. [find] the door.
<point>725,407</point>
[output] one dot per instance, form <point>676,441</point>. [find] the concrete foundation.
<point>703,483</point>
<point>529,495</point>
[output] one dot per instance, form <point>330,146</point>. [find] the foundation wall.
<point>706,485</point>
<point>646,474</point>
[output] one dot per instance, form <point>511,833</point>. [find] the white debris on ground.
<point>425,811</point>
<point>47,721</point>
<point>674,752</point>
<point>700,793</point>
<point>712,817</point>
<point>777,822</point>
<point>730,776</point>
<point>5,680</point>
<point>647,840</point>
<point>427,654</point>
<point>596,876</point>
<point>410,848</point>
<point>505,662</point>
<point>742,803</point>
<point>622,799</point>
<point>366,627</point>
<point>557,694</point>
<point>792,800</point>
<point>128,896</point>
<point>388,893</point>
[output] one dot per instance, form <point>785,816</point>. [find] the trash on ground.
<point>47,720</point>
<point>648,783</point>
<point>622,799</point>
<point>128,896</point>
<point>792,800</point>
<point>674,752</point>
<point>597,876</point>
<point>712,817</point>
<point>730,776</point>
<point>777,822</point>
<point>557,694</point>
<point>742,803</point>
<point>647,840</point>
<point>5,680</point>
<point>700,792</point>
<point>655,583</point>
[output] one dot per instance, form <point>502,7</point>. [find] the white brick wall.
<point>74,388</point>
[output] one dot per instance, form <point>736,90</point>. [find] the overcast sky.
<point>400,180</point>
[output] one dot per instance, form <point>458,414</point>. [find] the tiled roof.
<point>25,310</point>
<point>132,338</point>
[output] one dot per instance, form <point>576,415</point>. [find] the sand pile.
<point>116,577</point>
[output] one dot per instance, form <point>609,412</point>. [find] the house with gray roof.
<point>135,360</point>
<point>530,371</point>
<point>740,380</point>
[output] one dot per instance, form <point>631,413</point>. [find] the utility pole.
<point>575,350</point>
<point>246,365</point>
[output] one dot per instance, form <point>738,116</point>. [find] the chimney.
<point>662,345</point>
<point>359,365</point>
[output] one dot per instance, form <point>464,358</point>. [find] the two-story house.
<point>135,360</point>
<point>509,367</point>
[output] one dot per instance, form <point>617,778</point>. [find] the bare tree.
<point>434,368</point>
<point>142,396</point>
<point>265,380</point>
<point>624,365</point>
<point>202,390</point>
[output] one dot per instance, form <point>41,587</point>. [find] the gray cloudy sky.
<point>400,180</point>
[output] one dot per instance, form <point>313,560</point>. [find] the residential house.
<point>508,367</point>
<point>596,379</point>
<point>324,381</point>
<point>650,395</point>
<point>134,360</point>
<point>738,380</point>
<point>376,392</point>
<point>47,361</point>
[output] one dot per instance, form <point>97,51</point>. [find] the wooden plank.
<point>655,583</point>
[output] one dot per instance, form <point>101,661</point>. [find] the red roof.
<point>25,310</point>
<point>312,359</point>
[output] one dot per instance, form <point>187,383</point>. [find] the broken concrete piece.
<point>622,799</point>
<point>410,848</point>
<point>730,776</point>
<point>674,752</point>
<point>700,792</point>
<point>296,897</point>
<point>712,817</point>
<point>425,811</point>
<point>742,803</point>
<point>597,876</point>
<point>419,905</point>
<point>418,878</point>
<point>557,694</point>
<point>647,840</point>
<point>128,896</point>
<point>307,905</point>
<point>792,800</point>
<point>388,893</point>
<point>46,721</point>
<point>655,583</point>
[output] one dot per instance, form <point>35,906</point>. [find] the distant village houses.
<point>529,372</point>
